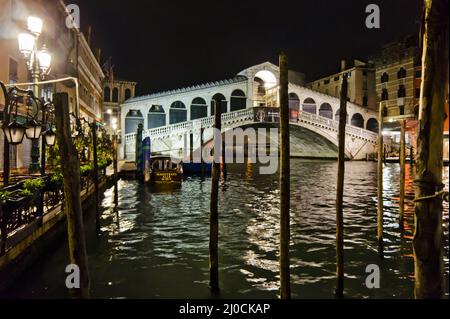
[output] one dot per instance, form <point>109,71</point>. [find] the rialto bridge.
<point>249,99</point>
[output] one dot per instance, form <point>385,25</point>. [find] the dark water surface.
<point>156,245</point>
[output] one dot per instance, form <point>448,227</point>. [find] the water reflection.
<point>156,245</point>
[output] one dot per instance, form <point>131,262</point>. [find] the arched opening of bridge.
<point>310,106</point>
<point>266,82</point>
<point>326,110</point>
<point>199,108</point>
<point>238,100</point>
<point>294,106</point>
<point>223,103</point>
<point>337,116</point>
<point>156,117</point>
<point>372,125</point>
<point>177,112</point>
<point>357,120</point>
<point>132,120</point>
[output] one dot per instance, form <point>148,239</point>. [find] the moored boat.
<point>164,173</point>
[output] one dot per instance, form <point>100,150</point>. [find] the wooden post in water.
<point>97,208</point>
<point>202,130</point>
<point>427,242</point>
<point>213,212</point>
<point>116,188</point>
<point>340,191</point>
<point>402,171</point>
<point>380,180</point>
<point>285,277</point>
<point>72,202</point>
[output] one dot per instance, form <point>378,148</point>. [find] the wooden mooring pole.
<point>72,202</point>
<point>285,280</point>
<point>116,177</point>
<point>380,179</point>
<point>213,212</point>
<point>402,171</point>
<point>96,195</point>
<point>340,191</point>
<point>428,235</point>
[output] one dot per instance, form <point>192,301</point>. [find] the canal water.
<point>156,245</point>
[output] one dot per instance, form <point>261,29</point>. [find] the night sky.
<point>167,44</point>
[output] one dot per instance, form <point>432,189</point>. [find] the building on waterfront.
<point>71,56</point>
<point>115,93</point>
<point>361,83</point>
<point>398,87</point>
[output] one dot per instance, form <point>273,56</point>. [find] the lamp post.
<point>38,62</point>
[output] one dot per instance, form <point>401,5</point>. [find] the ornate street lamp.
<point>14,132</point>
<point>50,137</point>
<point>38,62</point>
<point>49,134</point>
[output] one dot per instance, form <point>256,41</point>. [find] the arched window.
<point>309,106</point>
<point>177,113</point>
<point>401,73</point>
<point>294,106</point>
<point>326,110</point>
<point>238,100</point>
<point>115,95</point>
<point>127,94</point>
<point>384,77</point>
<point>337,116</point>
<point>372,125</point>
<point>221,98</point>
<point>401,91</point>
<point>156,117</point>
<point>357,120</point>
<point>199,108</point>
<point>384,95</point>
<point>132,120</point>
<point>107,94</point>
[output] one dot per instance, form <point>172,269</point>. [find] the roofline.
<point>236,79</point>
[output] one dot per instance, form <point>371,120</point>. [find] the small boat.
<point>164,173</point>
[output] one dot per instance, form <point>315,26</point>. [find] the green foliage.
<point>85,169</point>
<point>56,178</point>
<point>26,193</point>
<point>4,195</point>
<point>33,185</point>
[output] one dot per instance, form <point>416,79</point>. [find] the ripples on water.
<point>156,245</point>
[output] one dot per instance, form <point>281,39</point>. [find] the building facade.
<point>71,56</point>
<point>114,95</point>
<point>361,83</point>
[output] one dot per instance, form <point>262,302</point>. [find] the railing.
<point>20,210</point>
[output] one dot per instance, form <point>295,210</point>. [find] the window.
<point>401,73</point>
<point>401,91</point>
<point>107,94</point>
<point>115,95</point>
<point>127,94</point>
<point>365,101</point>
<point>418,74</point>
<point>384,95</point>
<point>417,93</point>
<point>364,73</point>
<point>384,77</point>
<point>336,78</point>
<point>326,81</point>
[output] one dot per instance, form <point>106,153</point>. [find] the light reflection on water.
<point>156,245</point>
